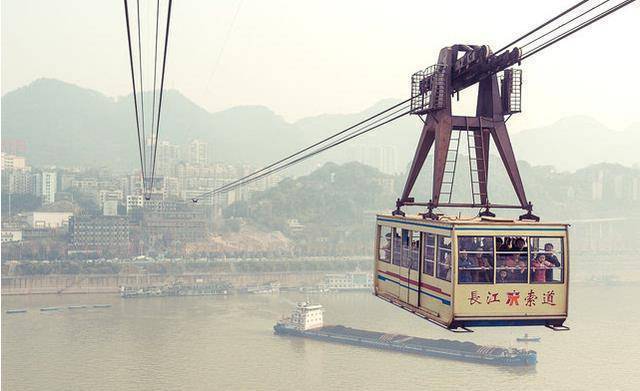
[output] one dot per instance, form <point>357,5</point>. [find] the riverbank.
<point>105,283</point>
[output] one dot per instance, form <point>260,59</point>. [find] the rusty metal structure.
<point>432,90</point>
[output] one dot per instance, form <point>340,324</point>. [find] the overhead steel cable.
<point>164,65</point>
<point>155,68</point>
<point>144,138</point>
<point>563,24</point>
<point>133,82</point>
<point>582,25</point>
<point>271,168</point>
<point>317,143</point>
<point>228,188</point>
<point>542,25</point>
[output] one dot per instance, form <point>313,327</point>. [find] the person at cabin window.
<point>444,267</point>
<point>506,246</point>
<point>498,243</point>
<point>503,276</point>
<point>551,258</point>
<point>519,245</point>
<point>484,269</point>
<point>520,271</point>
<point>465,265</point>
<point>488,264</point>
<point>539,267</point>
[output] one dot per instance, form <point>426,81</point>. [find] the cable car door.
<point>396,260</point>
<point>405,266</point>
<point>414,268</point>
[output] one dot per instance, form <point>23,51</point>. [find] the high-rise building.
<point>45,186</point>
<point>167,156</point>
<point>13,162</point>
<point>197,152</point>
<point>17,181</point>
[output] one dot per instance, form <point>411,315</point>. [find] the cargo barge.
<point>306,321</point>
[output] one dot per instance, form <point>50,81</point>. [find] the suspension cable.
<point>164,64</point>
<point>543,25</point>
<point>315,144</point>
<point>144,138</point>
<point>270,169</point>
<point>133,82</point>
<point>307,156</point>
<point>564,24</point>
<point>155,67</point>
<point>562,36</point>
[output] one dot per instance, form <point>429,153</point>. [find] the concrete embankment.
<point>111,283</point>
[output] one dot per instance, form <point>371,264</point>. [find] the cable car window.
<point>512,259</point>
<point>443,271</point>
<point>385,244</point>
<point>414,252</point>
<point>547,264</point>
<point>406,247</point>
<point>429,253</point>
<point>396,245</point>
<point>475,259</point>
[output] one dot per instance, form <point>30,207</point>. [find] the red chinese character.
<point>530,300</point>
<point>492,298</point>
<point>513,297</point>
<point>474,298</point>
<point>547,297</point>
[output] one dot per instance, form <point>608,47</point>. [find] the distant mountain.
<point>575,142</point>
<point>66,125</point>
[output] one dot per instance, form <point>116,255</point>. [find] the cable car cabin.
<point>474,272</point>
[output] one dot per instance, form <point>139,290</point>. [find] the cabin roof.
<point>452,221</point>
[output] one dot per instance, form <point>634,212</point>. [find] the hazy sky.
<point>303,58</point>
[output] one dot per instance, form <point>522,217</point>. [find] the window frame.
<point>556,252</point>
<point>444,250</point>
<point>423,259</point>
<point>414,263</point>
<point>381,237</point>
<point>505,254</point>
<point>396,242</point>
<point>477,269</point>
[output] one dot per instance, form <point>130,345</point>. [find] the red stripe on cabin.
<point>413,282</point>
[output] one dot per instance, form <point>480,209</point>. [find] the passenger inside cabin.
<point>539,267</point>
<point>444,267</point>
<point>506,245</point>
<point>465,265</point>
<point>503,276</point>
<point>519,245</point>
<point>520,271</point>
<point>485,269</point>
<point>550,256</point>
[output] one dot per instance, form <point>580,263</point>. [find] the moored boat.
<point>527,338</point>
<point>16,311</point>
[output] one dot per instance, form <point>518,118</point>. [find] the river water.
<point>227,343</point>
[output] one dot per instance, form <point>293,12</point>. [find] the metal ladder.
<point>477,167</point>
<point>450,165</point>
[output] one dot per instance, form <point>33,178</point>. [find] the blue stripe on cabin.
<point>444,301</point>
